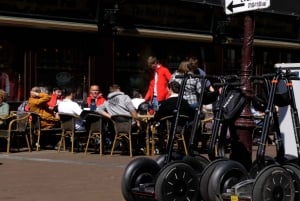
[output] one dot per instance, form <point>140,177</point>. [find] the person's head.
<point>114,88</point>
<point>35,91</point>
<point>194,62</point>
<point>184,67</point>
<point>57,91</point>
<point>69,92</point>
<point>94,91</point>
<point>136,93</point>
<point>3,96</point>
<point>174,87</point>
<point>152,62</point>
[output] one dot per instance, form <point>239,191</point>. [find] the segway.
<point>222,173</point>
<point>167,178</point>
<point>269,180</point>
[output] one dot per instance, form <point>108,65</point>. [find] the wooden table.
<point>146,118</point>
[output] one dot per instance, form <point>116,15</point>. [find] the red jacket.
<point>100,100</point>
<point>163,77</point>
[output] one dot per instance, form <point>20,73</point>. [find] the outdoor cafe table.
<point>146,118</point>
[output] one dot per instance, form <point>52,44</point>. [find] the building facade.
<point>52,43</point>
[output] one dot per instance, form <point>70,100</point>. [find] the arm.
<point>40,99</point>
<point>102,110</point>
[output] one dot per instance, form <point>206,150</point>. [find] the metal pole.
<point>242,150</point>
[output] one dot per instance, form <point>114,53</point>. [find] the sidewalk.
<point>47,175</point>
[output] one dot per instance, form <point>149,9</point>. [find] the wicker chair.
<point>17,126</point>
<point>122,125</point>
<point>68,122</point>
<point>94,127</point>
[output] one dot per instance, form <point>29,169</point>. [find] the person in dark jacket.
<point>168,106</point>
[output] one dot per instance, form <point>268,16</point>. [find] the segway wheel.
<point>205,177</point>
<point>256,168</point>
<point>224,176</point>
<point>160,160</point>
<point>177,181</point>
<point>138,171</point>
<point>198,163</point>
<point>294,170</point>
<point>273,183</point>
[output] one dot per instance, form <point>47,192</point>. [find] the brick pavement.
<point>47,175</point>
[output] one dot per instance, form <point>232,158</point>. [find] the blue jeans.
<point>155,104</point>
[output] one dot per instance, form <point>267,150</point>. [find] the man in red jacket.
<point>95,97</point>
<point>158,86</point>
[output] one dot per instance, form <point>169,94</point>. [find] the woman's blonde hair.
<point>3,94</point>
<point>184,67</point>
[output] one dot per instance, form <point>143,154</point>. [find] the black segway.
<point>222,173</point>
<point>269,180</point>
<point>148,179</point>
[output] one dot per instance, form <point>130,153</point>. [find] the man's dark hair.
<point>114,87</point>
<point>174,86</point>
<point>68,91</point>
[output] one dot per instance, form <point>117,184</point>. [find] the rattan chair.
<point>36,130</point>
<point>162,134</point>
<point>17,126</point>
<point>68,122</point>
<point>94,127</point>
<point>122,125</point>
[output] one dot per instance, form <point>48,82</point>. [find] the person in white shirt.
<point>137,98</point>
<point>67,105</point>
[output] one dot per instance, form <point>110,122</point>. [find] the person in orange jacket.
<point>38,103</point>
<point>158,85</point>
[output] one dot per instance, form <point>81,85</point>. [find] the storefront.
<point>84,42</point>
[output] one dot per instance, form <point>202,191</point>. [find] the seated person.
<point>56,97</point>
<point>117,103</point>
<point>68,105</point>
<point>168,107</point>
<point>95,96</point>
<point>137,98</point>
<point>38,103</point>
<point>4,108</point>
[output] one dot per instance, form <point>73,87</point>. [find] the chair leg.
<point>8,145</point>
<point>130,145</point>
<point>28,143</point>
<point>100,144</point>
<point>62,141</point>
<point>72,142</point>
<point>114,144</point>
<point>38,141</point>
<point>87,143</point>
<point>154,141</point>
<point>184,144</point>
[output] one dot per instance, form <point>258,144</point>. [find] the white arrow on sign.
<point>237,6</point>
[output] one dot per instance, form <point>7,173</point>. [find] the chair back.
<point>21,122</point>
<point>168,120</point>
<point>122,123</point>
<point>67,121</point>
<point>93,122</point>
<point>35,121</point>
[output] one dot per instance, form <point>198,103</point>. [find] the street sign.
<point>237,6</point>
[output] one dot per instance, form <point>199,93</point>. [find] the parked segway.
<point>222,173</point>
<point>172,179</point>
<point>269,180</point>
